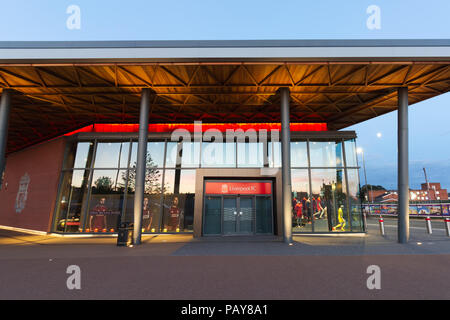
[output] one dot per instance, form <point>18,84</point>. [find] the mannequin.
<point>341,219</point>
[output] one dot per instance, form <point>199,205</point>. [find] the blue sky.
<point>263,19</point>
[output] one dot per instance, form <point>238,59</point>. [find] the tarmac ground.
<point>181,267</point>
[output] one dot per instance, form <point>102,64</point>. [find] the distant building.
<point>428,192</point>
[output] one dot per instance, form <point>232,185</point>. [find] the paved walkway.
<point>180,267</point>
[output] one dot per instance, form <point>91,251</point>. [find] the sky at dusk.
<point>321,19</point>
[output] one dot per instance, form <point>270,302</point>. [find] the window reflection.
<point>250,154</point>
<point>72,201</point>
<point>155,154</point>
<point>330,196</point>
<point>152,199</point>
<point>179,199</point>
<point>355,200</point>
<point>299,154</point>
<point>326,153</point>
<point>112,155</point>
<point>275,154</point>
<point>107,199</point>
<point>84,151</point>
<point>218,155</point>
<point>350,153</point>
<point>302,214</point>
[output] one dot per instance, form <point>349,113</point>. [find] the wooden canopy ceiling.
<point>52,99</point>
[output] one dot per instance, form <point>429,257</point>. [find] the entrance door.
<point>238,208</point>
<point>238,215</point>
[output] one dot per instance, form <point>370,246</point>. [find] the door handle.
<point>235,213</point>
<point>240,213</point>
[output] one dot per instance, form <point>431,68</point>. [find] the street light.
<point>361,151</point>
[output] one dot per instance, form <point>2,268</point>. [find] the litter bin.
<point>125,234</point>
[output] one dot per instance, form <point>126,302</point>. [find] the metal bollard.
<point>428,222</point>
<point>447,226</point>
<point>381,221</point>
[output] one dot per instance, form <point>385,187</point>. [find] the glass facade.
<point>325,186</point>
<point>98,184</point>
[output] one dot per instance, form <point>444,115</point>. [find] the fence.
<point>415,209</point>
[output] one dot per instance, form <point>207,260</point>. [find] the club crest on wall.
<point>22,194</point>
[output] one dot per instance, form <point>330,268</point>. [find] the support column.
<point>403,166</point>
<point>141,165</point>
<point>5,109</point>
<point>286,165</point>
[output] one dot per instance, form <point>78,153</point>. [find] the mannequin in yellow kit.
<point>341,219</point>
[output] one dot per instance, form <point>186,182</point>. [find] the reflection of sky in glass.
<point>77,178</point>
<point>299,154</point>
<point>187,181</point>
<point>112,155</point>
<point>169,181</point>
<point>190,154</point>
<point>300,180</point>
<point>155,149</point>
<point>350,153</point>
<point>216,154</point>
<point>82,154</point>
<point>275,154</point>
<point>327,176</point>
<point>353,182</point>
<point>325,154</point>
<point>250,154</point>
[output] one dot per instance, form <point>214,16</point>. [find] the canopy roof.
<point>62,86</point>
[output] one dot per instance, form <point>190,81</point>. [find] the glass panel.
<point>350,153</point>
<point>155,154</point>
<point>171,157</point>
<point>179,198</point>
<point>107,198</point>
<point>250,154</point>
<point>275,154</point>
<point>299,154</point>
<point>331,212</point>
<point>264,215</point>
<point>112,155</point>
<point>301,202</point>
<point>229,215</point>
<point>72,202</point>
<point>83,155</point>
<point>190,155</point>
<point>218,155</point>
<point>326,153</point>
<point>152,199</point>
<point>355,200</point>
<point>246,215</point>
<point>213,215</point>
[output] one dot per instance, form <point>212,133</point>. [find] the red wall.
<point>43,165</point>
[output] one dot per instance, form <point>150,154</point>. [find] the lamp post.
<point>361,151</point>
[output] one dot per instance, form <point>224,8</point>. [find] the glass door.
<point>246,215</point>
<point>230,215</point>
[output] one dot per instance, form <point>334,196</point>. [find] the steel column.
<point>5,109</point>
<point>286,165</point>
<point>403,166</point>
<point>141,165</point>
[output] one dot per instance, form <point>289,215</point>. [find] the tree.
<point>152,178</point>
<point>103,184</point>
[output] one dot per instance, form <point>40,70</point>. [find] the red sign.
<point>238,188</point>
